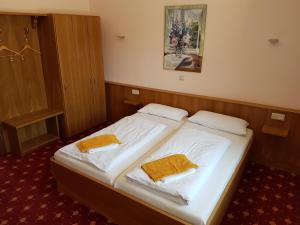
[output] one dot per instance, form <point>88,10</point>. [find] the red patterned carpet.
<point>28,195</point>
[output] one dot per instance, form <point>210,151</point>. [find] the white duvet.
<point>134,132</point>
<point>202,148</point>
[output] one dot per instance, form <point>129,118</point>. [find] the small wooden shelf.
<point>30,118</point>
<point>275,131</point>
<point>37,142</point>
<point>130,102</point>
<point>13,127</point>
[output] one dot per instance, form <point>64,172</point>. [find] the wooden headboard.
<point>279,152</point>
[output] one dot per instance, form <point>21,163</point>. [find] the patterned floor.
<point>265,197</point>
<point>28,195</point>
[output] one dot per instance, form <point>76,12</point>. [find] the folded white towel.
<point>177,177</point>
<point>104,148</point>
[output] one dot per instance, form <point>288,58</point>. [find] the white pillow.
<point>164,111</point>
<point>220,122</point>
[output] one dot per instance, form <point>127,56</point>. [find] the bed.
<point>200,210</point>
<point>129,204</point>
<point>154,137</point>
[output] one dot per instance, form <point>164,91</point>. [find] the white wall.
<point>239,63</point>
<point>63,6</point>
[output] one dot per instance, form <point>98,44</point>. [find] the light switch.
<point>135,92</point>
<point>181,77</point>
<point>278,116</point>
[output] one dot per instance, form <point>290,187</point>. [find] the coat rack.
<point>27,46</point>
<point>14,53</point>
<point>5,48</point>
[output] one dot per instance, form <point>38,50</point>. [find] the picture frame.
<point>184,34</point>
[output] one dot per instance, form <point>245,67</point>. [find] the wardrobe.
<point>74,69</point>
<point>67,75</point>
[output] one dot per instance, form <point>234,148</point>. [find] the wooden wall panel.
<point>283,153</point>
<point>22,87</point>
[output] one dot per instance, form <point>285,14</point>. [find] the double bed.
<point>125,202</point>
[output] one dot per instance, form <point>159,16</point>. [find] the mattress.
<point>202,148</point>
<point>200,209</point>
<point>110,176</point>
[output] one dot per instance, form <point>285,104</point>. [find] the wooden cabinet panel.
<point>73,51</point>
<point>78,46</point>
<point>96,62</point>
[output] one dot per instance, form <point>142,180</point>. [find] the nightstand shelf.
<point>275,131</point>
<point>130,102</point>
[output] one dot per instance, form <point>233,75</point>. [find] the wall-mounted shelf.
<point>14,125</point>
<point>275,131</point>
<point>130,102</point>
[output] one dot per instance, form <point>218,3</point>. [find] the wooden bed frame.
<point>125,209</point>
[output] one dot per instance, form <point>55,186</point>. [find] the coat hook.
<point>1,35</point>
<point>273,41</point>
<point>26,31</point>
<point>121,36</point>
<point>34,22</point>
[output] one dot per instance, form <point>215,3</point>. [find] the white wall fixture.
<point>278,116</point>
<point>273,41</point>
<point>121,36</point>
<point>135,92</point>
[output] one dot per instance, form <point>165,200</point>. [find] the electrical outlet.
<point>135,92</point>
<point>181,77</point>
<point>278,116</point>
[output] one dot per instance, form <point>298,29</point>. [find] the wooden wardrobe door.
<point>74,56</point>
<point>85,72</point>
<point>94,32</point>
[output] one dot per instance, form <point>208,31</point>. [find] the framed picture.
<point>184,37</point>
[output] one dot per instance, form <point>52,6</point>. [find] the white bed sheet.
<point>200,209</point>
<point>202,148</point>
<point>110,176</point>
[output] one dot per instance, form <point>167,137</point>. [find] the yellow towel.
<point>170,165</point>
<point>97,142</point>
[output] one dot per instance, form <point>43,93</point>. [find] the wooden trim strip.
<point>43,14</point>
<point>256,105</point>
<point>220,209</point>
<point>11,13</point>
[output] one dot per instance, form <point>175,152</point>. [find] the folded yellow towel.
<point>97,142</point>
<point>170,165</point>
